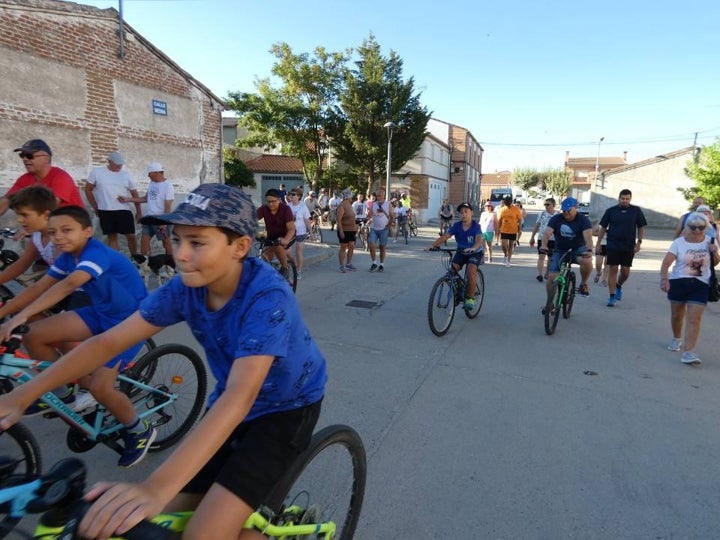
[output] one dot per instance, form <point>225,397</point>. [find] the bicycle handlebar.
<point>61,490</point>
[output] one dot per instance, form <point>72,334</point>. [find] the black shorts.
<point>508,236</point>
<point>550,246</point>
<point>257,454</point>
<point>601,250</point>
<point>349,237</point>
<point>620,258</point>
<point>116,221</point>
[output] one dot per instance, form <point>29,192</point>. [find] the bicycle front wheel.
<point>177,370</point>
<point>569,299</point>
<point>441,306</point>
<point>327,481</point>
<point>552,311</point>
<point>18,445</point>
<point>479,295</point>
<point>291,275</point>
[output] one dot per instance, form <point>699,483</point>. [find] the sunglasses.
<point>697,227</point>
<point>26,155</point>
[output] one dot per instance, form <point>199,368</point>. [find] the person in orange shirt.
<point>509,220</point>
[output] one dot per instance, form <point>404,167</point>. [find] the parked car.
<point>584,208</point>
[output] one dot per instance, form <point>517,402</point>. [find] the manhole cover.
<point>361,304</point>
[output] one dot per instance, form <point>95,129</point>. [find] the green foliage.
<point>297,114</point>
<point>557,182</point>
<point>705,171</point>
<point>236,172</point>
<point>525,178</point>
<point>375,93</point>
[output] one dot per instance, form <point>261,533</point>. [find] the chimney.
<point>625,156</point>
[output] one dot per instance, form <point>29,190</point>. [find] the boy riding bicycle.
<point>279,225</point>
<point>470,248</point>
<point>115,288</point>
<point>270,375</point>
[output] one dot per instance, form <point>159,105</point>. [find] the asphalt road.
<point>497,430</point>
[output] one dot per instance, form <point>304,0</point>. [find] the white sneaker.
<point>505,261</point>
<point>674,345</point>
<point>299,275</point>
<point>83,400</point>
<point>690,358</point>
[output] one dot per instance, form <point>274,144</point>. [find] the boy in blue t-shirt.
<point>115,289</point>
<point>470,248</point>
<point>270,375</point>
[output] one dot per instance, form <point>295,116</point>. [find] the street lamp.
<point>597,160</point>
<point>389,126</point>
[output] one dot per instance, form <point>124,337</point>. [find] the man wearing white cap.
<point>104,186</point>
<point>159,198</point>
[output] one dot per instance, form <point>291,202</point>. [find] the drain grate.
<point>364,304</point>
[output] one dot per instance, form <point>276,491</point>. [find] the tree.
<point>525,178</point>
<point>557,181</point>
<point>375,93</point>
<point>236,172</point>
<point>705,171</point>
<point>297,114</point>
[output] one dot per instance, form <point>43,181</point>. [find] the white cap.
<point>155,166</point>
<point>116,158</point>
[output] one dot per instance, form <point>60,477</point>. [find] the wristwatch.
<point>639,241</point>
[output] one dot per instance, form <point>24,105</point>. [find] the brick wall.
<point>69,86</point>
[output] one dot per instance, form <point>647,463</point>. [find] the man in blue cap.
<point>571,231</point>
<point>37,160</point>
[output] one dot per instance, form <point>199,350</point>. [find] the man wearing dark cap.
<point>103,188</point>
<point>37,159</point>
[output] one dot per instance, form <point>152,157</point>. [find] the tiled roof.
<point>589,163</point>
<point>689,151</point>
<point>268,163</point>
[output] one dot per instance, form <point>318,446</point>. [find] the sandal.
<point>603,283</point>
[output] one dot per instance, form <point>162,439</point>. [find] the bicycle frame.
<point>14,369</point>
<point>561,279</point>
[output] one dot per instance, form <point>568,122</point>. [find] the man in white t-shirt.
<point>159,198</point>
<point>104,186</point>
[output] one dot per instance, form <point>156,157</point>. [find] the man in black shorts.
<point>621,223</point>
<point>104,185</point>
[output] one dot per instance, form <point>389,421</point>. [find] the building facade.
<point>74,79</point>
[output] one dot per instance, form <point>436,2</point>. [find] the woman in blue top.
<point>270,375</point>
<point>470,248</point>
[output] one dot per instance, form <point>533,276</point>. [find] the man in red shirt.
<point>37,158</point>
<point>279,225</point>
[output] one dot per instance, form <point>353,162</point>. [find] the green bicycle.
<point>564,294</point>
<point>319,497</point>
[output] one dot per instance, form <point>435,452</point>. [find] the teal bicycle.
<point>320,497</point>
<point>167,386</point>
<point>564,294</point>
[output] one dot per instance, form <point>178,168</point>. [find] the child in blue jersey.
<point>470,248</point>
<point>270,375</point>
<point>115,289</point>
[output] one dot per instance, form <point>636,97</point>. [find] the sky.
<point>530,80</point>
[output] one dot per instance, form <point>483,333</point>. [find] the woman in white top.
<point>687,285</point>
<point>302,223</point>
<point>488,226</point>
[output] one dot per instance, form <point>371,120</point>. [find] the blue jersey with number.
<point>262,318</point>
<point>465,238</point>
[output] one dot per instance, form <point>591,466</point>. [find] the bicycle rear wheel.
<point>552,311</point>
<point>441,306</point>
<point>479,295</point>
<point>175,369</point>
<point>413,229</point>
<point>569,295</point>
<point>327,481</point>
<point>19,446</point>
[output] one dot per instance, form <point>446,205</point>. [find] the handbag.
<point>714,294</point>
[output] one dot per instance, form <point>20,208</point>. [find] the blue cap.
<point>34,145</point>
<point>569,203</point>
<point>212,205</point>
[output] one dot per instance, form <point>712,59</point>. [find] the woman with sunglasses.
<point>687,284</point>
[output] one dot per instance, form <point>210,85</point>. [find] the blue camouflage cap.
<point>212,205</point>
